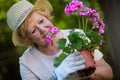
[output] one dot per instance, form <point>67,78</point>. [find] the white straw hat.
<point>20,10</point>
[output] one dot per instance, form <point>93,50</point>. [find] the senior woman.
<point>30,24</point>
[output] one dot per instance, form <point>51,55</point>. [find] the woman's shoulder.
<point>66,32</point>
<point>28,54</point>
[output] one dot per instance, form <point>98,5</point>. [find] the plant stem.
<point>86,22</point>
<point>83,23</point>
<point>79,22</point>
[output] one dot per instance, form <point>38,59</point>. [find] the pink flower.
<point>67,10</point>
<point>88,16</point>
<point>48,39</point>
<point>101,30</point>
<point>93,15</point>
<point>73,6</point>
<point>85,12</point>
<point>95,25</point>
<point>52,32</point>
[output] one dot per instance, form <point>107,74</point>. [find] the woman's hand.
<point>72,63</point>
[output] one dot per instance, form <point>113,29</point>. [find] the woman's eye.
<point>33,31</point>
<point>41,21</point>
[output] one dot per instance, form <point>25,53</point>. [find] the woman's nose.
<point>43,30</point>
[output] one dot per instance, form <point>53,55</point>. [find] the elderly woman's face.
<point>37,28</point>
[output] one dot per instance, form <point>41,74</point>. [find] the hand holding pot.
<point>70,64</point>
<point>89,63</point>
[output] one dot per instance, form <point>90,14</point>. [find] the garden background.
<point>109,10</point>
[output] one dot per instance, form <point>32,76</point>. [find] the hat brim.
<point>42,5</point>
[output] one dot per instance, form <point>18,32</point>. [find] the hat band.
<point>21,17</point>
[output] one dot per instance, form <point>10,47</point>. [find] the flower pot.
<point>89,63</point>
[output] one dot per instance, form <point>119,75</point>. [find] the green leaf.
<point>61,43</point>
<point>59,59</point>
<point>76,40</point>
<point>67,49</point>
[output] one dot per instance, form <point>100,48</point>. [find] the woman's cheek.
<point>38,38</point>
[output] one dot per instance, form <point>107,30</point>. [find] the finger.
<point>77,63</point>
<point>76,68</point>
<point>76,58</point>
<point>74,54</point>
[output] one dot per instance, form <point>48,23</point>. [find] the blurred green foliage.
<point>9,54</point>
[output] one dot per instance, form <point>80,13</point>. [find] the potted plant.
<point>85,41</point>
